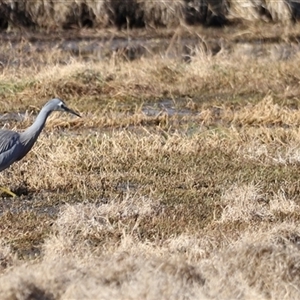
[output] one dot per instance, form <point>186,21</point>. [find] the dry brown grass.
<point>181,181</point>
<point>260,264</point>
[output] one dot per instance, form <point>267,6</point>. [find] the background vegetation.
<point>141,13</point>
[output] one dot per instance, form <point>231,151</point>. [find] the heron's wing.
<point>9,148</point>
<point>8,139</point>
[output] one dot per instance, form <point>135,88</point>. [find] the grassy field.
<point>180,181</point>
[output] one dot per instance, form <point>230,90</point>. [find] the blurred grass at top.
<point>141,14</point>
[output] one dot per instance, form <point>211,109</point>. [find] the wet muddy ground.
<point>183,44</point>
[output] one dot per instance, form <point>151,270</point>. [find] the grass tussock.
<point>134,83</point>
<point>261,264</point>
<point>246,204</point>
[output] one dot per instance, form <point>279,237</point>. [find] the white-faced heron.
<point>14,146</point>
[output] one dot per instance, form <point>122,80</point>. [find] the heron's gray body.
<point>14,146</point>
<point>10,148</point>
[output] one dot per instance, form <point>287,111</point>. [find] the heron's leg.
<point>7,191</point>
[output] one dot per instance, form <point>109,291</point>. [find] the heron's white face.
<point>61,106</point>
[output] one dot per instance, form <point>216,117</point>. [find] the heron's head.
<point>59,105</point>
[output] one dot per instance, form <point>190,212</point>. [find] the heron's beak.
<point>67,109</point>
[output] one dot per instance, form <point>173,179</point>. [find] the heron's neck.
<point>39,123</point>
